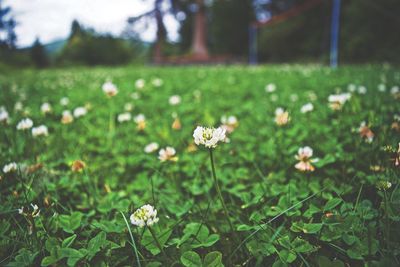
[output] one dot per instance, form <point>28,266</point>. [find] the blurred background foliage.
<point>368,33</point>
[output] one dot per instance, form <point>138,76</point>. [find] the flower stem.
<point>133,240</point>
<point>387,230</point>
<point>219,191</point>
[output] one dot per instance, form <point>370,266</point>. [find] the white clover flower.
<point>304,152</point>
<point>67,117</point>
<point>337,101</point>
<point>25,124</point>
<point>40,131</point>
<point>140,118</point>
<point>304,156</point>
<point>209,137</point>
<point>79,112</point>
<point>144,216</point>
<point>174,100</point>
<point>365,132</point>
<point>21,210</point>
<point>4,117</point>
<point>351,87</point>
<point>307,108</point>
<point>157,82</point>
<point>45,108</point>
<point>135,96</point>
<point>140,121</point>
<point>124,117</point>
<point>269,88</point>
<point>35,211</point>
<point>128,107</point>
<point>281,117</point>
<point>110,89</point>
<point>394,90</point>
<point>152,147</point>
<point>18,106</point>
<point>384,185</point>
<point>229,123</point>
<point>167,154</point>
<point>140,83</point>
<point>10,167</point>
<point>362,90</point>
<point>64,101</point>
<point>294,97</point>
<point>312,96</point>
<point>382,87</point>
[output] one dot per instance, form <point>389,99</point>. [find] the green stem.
<point>133,240</point>
<point>219,191</point>
<point>386,219</point>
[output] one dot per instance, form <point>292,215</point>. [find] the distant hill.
<point>54,47</point>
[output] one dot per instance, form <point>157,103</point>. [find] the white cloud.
<point>51,19</point>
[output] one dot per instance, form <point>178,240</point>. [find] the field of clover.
<point>285,165</point>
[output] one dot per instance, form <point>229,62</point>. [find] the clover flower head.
<point>294,97</point>
<point>135,95</point>
<point>394,90</point>
<point>40,131</point>
<point>167,154</point>
<point>144,216</point>
<point>25,124</point>
<point>25,212</point>
<point>384,185</point>
<point>123,117</point>
<point>67,117</point>
<point>304,155</point>
<point>362,90</point>
<point>382,87</point>
<point>140,83</point>
<point>45,108</point>
<point>128,107</point>
<point>307,108</point>
<point>78,165</point>
<point>337,101</point>
<point>365,132</point>
<point>152,147</point>
<point>157,82</point>
<point>208,136</point>
<point>35,211</point>
<point>64,101</point>
<point>351,87</point>
<point>281,117</point>
<point>10,167</point>
<point>110,89</point>
<point>176,124</point>
<point>140,121</point>
<point>18,106</point>
<point>4,117</point>
<point>80,112</point>
<point>229,123</point>
<point>174,100</point>
<point>269,88</point>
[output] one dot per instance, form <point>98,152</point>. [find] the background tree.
<point>7,27</point>
<point>38,54</point>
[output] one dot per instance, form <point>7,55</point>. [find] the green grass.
<point>333,216</point>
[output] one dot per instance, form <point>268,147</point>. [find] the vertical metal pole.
<point>335,33</point>
<point>252,45</point>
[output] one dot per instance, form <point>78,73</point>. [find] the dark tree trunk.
<point>161,33</point>
<point>199,41</point>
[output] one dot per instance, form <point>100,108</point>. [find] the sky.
<point>50,20</point>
